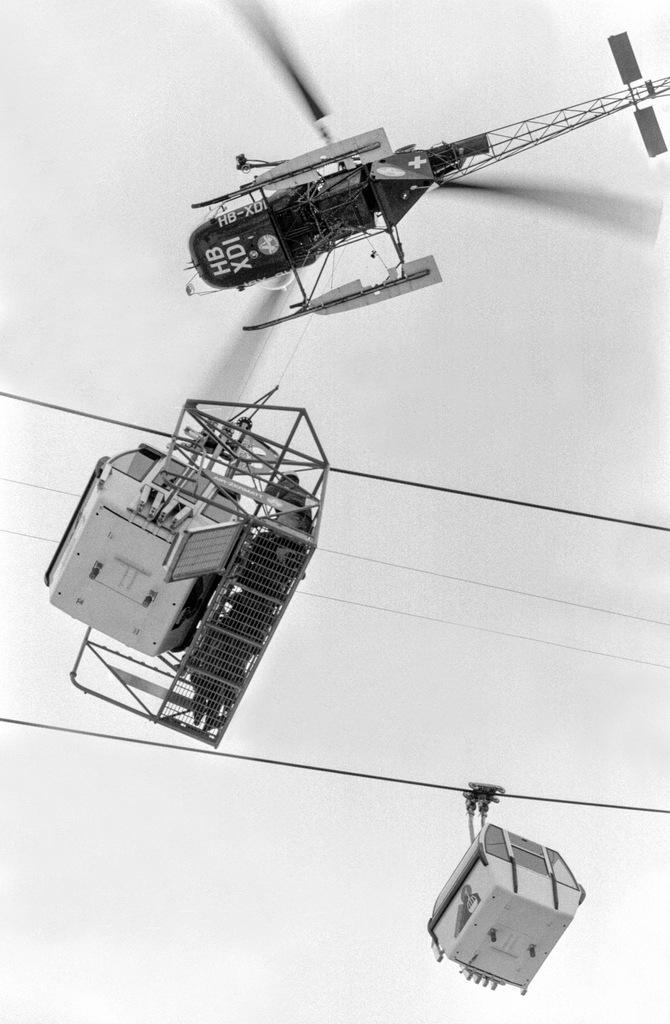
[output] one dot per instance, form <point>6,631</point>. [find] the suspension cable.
<point>497,498</point>
<point>372,776</point>
<point>391,565</point>
<point>435,618</point>
<point>85,415</point>
<point>375,476</point>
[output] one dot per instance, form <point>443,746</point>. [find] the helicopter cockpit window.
<point>528,854</point>
<point>136,464</point>
<point>561,870</point>
<point>495,843</point>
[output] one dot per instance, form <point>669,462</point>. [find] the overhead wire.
<point>492,586</point>
<point>262,350</point>
<point>308,323</point>
<point>435,618</point>
<point>322,769</point>
<point>496,498</point>
<point>31,536</point>
<point>39,487</point>
<point>265,343</point>
<point>484,629</point>
<point>393,565</point>
<point>83,414</point>
<point>317,768</point>
<point>294,352</point>
<point>377,476</point>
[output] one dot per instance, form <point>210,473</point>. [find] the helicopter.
<point>297,211</point>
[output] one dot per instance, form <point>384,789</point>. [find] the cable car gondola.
<point>505,906</point>
<point>189,556</point>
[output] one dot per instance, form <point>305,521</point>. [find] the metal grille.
<point>272,563</point>
<point>249,615</point>
<point>212,700</point>
<point>204,551</point>
<point>222,656</point>
<point>231,640</point>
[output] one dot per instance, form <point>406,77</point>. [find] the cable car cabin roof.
<point>527,854</point>
<point>504,907</point>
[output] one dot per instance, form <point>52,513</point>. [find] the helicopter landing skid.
<point>415,275</point>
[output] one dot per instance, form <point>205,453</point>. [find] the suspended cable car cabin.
<point>504,909</point>
<point>188,557</point>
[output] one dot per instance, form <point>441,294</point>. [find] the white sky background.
<point>141,886</point>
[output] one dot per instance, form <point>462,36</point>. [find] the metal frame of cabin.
<point>196,692</point>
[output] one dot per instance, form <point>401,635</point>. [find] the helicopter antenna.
<point>478,798</point>
<point>260,22</point>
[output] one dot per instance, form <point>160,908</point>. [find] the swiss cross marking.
<point>417,162</point>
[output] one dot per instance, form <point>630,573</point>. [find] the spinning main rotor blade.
<point>232,372</point>
<point>258,19</point>
<point>269,300</point>
<point>610,209</point>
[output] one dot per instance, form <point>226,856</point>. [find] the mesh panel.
<point>231,640</point>
<point>211,701</point>
<point>272,563</point>
<point>204,551</point>
<point>248,615</point>
<point>223,656</point>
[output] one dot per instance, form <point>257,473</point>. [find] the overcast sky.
<point>144,886</point>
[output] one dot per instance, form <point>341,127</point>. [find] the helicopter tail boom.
<point>454,160</point>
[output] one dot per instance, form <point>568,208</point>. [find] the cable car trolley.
<point>188,557</point>
<point>505,906</point>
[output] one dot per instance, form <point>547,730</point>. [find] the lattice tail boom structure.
<point>478,152</point>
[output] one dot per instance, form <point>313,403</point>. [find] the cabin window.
<point>136,464</point>
<point>495,842</point>
<point>526,844</point>
<point>561,870</point>
<point>528,854</point>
